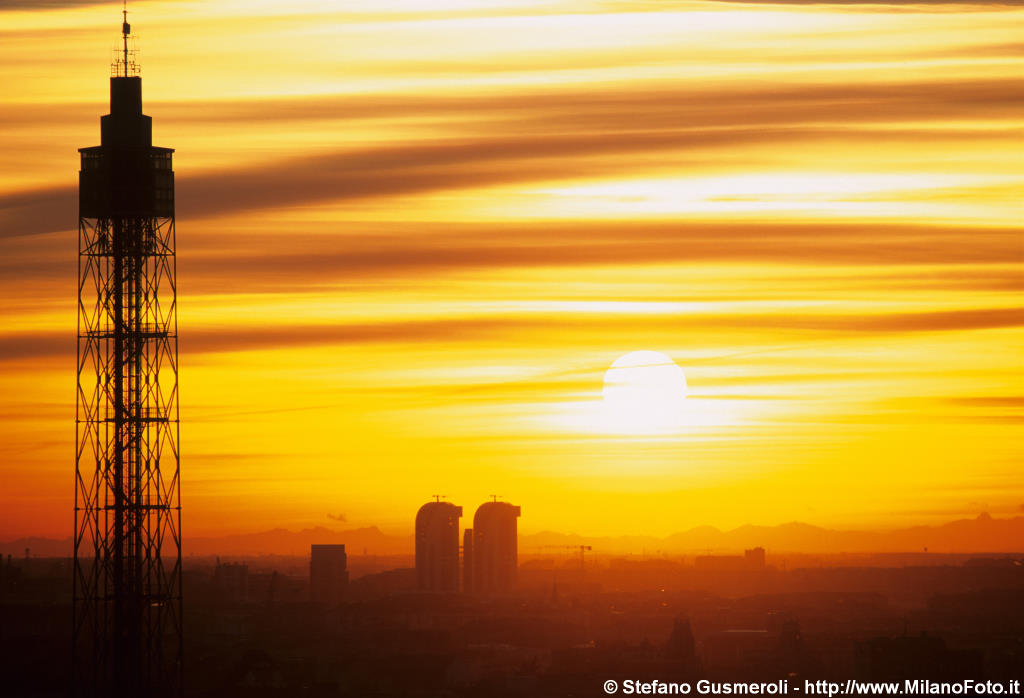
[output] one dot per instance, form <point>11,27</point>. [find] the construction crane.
<point>581,548</point>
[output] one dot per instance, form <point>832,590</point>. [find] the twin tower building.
<point>489,549</point>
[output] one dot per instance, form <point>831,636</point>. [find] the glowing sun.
<point>644,393</point>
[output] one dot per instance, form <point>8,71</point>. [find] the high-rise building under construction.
<point>495,548</point>
<point>437,547</point>
<point>127,621</point>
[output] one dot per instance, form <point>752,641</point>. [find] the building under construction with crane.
<point>127,617</point>
<point>437,546</point>
<point>490,550</point>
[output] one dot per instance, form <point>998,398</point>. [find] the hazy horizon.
<point>979,535</point>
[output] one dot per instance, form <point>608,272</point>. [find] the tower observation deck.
<point>127,634</point>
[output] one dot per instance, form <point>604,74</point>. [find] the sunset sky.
<point>413,236</point>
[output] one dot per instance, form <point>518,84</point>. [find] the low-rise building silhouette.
<point>754,558</point>
<point>328,573</point>
<point>232,581</point>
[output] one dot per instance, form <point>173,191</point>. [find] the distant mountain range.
<point>983,534</point>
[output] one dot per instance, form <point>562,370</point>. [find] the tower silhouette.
<point>495,547</point>
<point>127,629</point>
<point>437,546</point>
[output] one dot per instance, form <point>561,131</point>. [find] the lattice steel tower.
<point>127,571</point>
